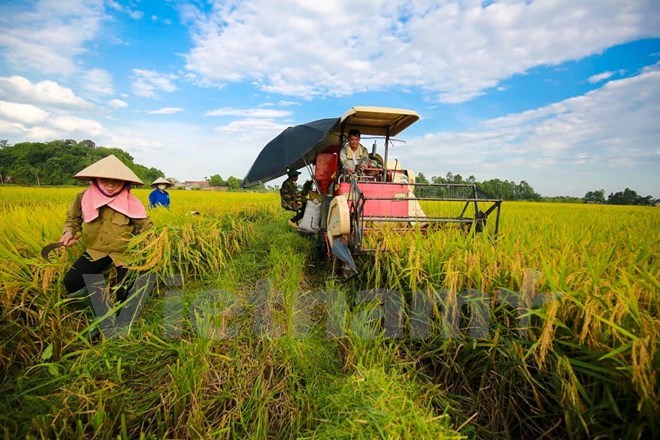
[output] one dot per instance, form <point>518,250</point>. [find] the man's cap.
<point>292,173</point>
<point>161,180</point>
<point>110,167</point>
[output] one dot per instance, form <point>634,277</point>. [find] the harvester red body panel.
<point>327,169</point>
<point>381,200</point>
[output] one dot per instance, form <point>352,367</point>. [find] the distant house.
<point>203,185</point>
<point>196,184</point>
<point>176,184</point>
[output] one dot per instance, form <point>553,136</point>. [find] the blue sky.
<point>563,94</point>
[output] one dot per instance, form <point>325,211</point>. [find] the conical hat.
<point>161,180</point>
<point>109,168</point>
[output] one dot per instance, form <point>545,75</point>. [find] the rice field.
<point>549,331</point>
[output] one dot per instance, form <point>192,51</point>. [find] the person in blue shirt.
<point>159,196</point>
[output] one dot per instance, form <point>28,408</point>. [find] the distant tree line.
<point>55,162</point>
<point>510,190</point>
<point>233,183</point>
<point>625,197</point>
<point>503,189</point>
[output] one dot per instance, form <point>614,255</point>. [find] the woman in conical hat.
<point>107,214</point>
<point>159,196</point>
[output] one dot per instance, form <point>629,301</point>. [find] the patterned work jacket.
<point>290,197</point>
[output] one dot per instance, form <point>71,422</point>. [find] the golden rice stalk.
<point>548,333</point>
<point>643,373</point>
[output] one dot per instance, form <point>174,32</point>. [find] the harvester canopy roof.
<point>378,121</point>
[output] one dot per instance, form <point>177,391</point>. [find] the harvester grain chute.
<point>385,195</point>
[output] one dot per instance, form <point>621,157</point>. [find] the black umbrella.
<point>291,149</point>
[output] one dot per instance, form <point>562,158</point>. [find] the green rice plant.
<point>247,361</point>
<point>378,403</point>
<point>598,264</point>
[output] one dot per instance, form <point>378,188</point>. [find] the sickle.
<point>48,248</point>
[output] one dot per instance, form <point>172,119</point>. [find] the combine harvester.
<point>385,197</point>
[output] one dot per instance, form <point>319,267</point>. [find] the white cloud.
<point>593,79</point>
<point>114,5</point>
<point>166,111</point>
<point>44,111</point>
<point>610,133</point>
<point>18,88</point>
<point>147,83</point>
<point>117,104</point>
<point>250,113</point>
<point>652,67</point>
<point>74,124</point>
<point>50,36</point>
<point>137,138</point>
<point>251,129</point>
<point>134,14</point>
<point>22,113</point>
<point>9,129</point>
<point>452,50</point>
<point>41,133</point>
<point>50,128</point>
<point>98,82</point>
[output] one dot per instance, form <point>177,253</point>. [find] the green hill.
<point>55,162</point>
